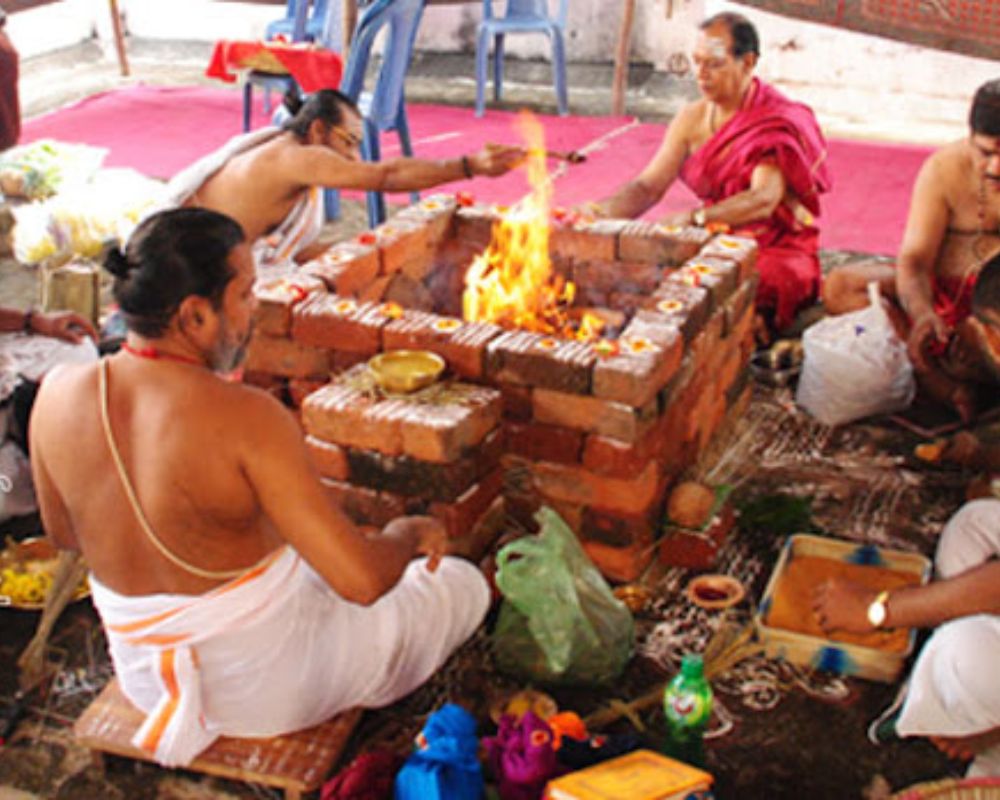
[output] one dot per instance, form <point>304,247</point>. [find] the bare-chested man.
<point>271,181</point>
<point>237,600</point>
<point>952,229</point>
<point>754,158</point>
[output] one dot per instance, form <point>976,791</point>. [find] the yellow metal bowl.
<point>404,371</point>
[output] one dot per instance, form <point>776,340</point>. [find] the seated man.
<point>270,181</point>
<point>236,598</point>
<point>952,695</point>
<point>953,228</point>
<point>756,160</point>
<point>31,344</point>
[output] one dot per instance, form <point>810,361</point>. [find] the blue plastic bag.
<point>445,765</point>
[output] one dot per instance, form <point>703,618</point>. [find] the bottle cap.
<point>691,666</point>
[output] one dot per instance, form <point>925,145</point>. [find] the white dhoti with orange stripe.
<point>276,650</point>
<point>953,689</point>
<point>299,229</point>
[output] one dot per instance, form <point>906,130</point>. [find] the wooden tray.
<point>826,654</point>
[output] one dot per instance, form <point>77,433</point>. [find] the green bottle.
<point>687,704</point>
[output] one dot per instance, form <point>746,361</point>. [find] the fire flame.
<point>511,283</point>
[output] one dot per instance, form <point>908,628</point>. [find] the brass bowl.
<point>715,592</point>
<point>404,371</point>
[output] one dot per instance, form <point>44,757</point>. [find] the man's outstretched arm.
<point>320,166</point>
<point>359,568</point>
<point>641,193</point>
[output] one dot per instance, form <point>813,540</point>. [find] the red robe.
<point>10,107</point>
<point>770,128</point>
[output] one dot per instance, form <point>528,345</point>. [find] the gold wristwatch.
<point>879,609</point>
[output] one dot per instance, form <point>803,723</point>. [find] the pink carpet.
<point>159,130</point>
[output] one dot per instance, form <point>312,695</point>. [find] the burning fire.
<point>511,283</point>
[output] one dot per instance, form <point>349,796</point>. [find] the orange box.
<point>641,775</point>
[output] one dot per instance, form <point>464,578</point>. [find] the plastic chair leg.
<point>498,42</point>
<point>331,204</point>
<point>482,53</point>
<point>247,105</point>
<point>403,132</point>
<point>371,151</point>
<point>559,72</point>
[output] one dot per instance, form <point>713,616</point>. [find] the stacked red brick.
<point>435,452</point>
<point>599,431</point>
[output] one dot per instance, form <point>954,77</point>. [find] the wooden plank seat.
<point>296,762</point>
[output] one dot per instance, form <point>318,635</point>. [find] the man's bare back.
<point>254,187</point>
<point>180,431</point>
<point>219,469</point>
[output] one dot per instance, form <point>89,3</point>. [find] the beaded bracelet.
<point>466,167</point>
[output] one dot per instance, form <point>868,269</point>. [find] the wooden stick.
<point>116,27</point>
<point>572,157</point>
<point>621,59</point>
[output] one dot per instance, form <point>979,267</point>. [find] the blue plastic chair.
<point>522,16</point>
<point>298,14</point>
<point>383,109</point>
<point>316,22</point>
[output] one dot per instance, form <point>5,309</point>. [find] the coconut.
<point>690,504</point>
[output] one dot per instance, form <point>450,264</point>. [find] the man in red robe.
<point>757,161</point>
<point>10,107</point>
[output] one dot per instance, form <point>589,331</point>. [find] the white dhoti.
<point>299,229</point>
<point>31,357</point>
<point>277,650</point>
<point>953,689</point>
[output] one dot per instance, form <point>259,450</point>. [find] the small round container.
<point>715,592</point>
<point>404,371</point>
<point>635,596</point>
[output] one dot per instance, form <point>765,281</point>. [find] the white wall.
<point>198,20</point>
<point>50,27</point>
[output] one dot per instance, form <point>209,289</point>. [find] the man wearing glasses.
<point>755,159</point>
<point>271,180</point>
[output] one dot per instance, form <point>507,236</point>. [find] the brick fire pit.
<point>598,430</point>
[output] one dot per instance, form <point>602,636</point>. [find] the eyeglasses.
<point>352,140</point>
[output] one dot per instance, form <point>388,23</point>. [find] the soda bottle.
<point>687,704</point>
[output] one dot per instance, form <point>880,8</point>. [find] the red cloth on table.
<point>770,128</point>
<point>313,68</point>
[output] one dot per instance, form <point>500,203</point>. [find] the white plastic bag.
<point>855,366</point>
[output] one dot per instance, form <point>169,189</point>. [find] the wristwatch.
<point>878,610</point>
<point>698,217</point>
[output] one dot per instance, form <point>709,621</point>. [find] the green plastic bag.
<point>559,622</point>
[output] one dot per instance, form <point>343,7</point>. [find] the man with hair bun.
<point>271,180</point>
<point>237,599</point>
<point>953,228</point>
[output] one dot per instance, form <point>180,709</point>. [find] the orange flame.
<point>511,283</point>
